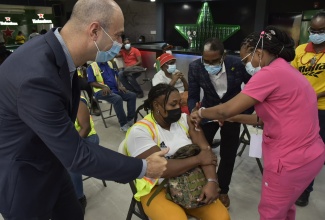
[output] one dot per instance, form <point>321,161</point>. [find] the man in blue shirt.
<point>106,87</point>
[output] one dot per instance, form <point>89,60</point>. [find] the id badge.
<point>255,146</point>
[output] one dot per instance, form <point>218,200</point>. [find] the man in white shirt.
<point>170,75</point>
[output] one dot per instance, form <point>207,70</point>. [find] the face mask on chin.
<point>104,56</point>
<point>172,116</point>
<point>252,70</point>
<point>317,38</point>
<point>249,67</point>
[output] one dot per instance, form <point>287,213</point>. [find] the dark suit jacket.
<point>37,135</point>
<point>198,78</point>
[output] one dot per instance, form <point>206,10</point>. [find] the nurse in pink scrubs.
<point>285,102</point>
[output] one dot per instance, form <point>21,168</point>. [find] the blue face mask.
<point>317,38</point>
<point>213,69</point>
<point>104,56</point>
<point>250,69</point>
<point>171,68</point>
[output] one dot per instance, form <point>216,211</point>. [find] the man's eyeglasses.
<point>320,31</point>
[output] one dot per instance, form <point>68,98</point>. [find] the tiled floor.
<point>112,202</point>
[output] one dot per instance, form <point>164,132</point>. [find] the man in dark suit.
<point>220,77</point>
<point>39,98</point>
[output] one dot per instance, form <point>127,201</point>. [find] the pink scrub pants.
<point>280,190</point>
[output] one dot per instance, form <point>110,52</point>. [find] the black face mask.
<point>173,115</point>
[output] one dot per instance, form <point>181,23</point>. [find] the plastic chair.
<point>135,206</point>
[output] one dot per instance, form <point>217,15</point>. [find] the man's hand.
<point>122,89</point>
<point>210,193</point>
<point>156,164</point>
<point>106,91</point>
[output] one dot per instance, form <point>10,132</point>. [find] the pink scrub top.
<point>288,107</point>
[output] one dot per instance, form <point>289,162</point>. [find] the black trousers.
<point>228,150</point>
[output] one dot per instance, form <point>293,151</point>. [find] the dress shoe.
<point>224,198</point>
<point>303,199</point>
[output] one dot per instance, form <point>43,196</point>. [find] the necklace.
<point>313,61</point>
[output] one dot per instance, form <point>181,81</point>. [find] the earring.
<point>158,111</point>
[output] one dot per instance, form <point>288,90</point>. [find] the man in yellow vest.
<point>106,87</point>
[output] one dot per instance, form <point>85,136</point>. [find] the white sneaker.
<point>130,123</point>
<point>125,127</point>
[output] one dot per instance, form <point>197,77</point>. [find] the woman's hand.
<point>207,157</point>
<point>210,193</point>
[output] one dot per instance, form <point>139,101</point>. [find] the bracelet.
<point>200,112</point>
<point>213,180</point>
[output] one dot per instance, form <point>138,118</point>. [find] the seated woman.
<point>85,126</point>
<point>165,127</point>
<point>170,75</point>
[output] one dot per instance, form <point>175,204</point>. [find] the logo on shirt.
<point>314,71</point>
<point>163,145</point>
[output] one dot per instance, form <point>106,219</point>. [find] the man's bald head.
<point>86,11</point>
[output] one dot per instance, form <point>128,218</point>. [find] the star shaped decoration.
<point>40,16</point>
<point>204,28</point>
<point>8,32</point>
<point>7,18</point>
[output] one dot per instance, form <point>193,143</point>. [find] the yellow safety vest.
<point>145,185</point>
<point>92,126</point>
<point>98,74</point>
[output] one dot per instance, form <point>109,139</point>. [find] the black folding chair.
<point>135,206</point>
<point>245,140</point>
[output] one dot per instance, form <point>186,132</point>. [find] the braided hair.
<point>157,91</point>
<point>274,41</point>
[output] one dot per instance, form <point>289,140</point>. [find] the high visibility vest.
<point>98,74</point>
<point>145,185</point>
<point>92,126</point>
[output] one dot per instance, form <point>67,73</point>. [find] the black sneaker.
<point>95,112</point>
<point>303,200</point>
<point>83,202</point>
